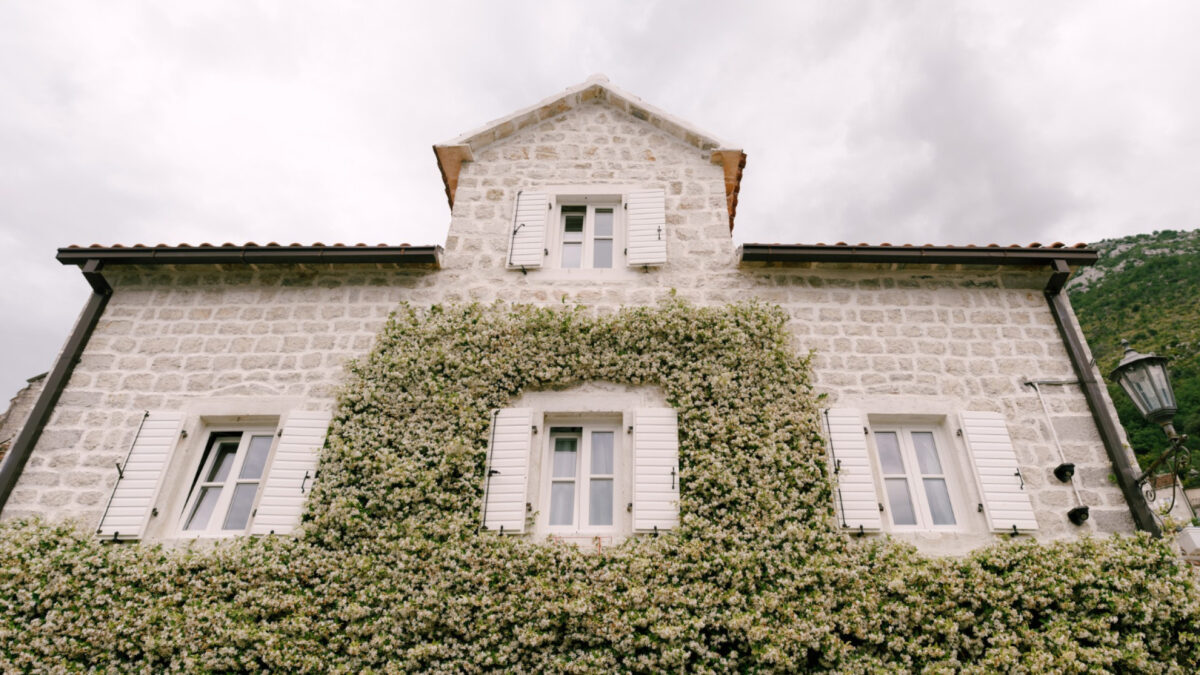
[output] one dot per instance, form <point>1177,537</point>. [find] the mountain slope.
<point>1146,289</point>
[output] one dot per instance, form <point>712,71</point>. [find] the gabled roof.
<point>453,153</point>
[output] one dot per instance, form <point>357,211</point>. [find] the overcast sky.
<point>913,122</point>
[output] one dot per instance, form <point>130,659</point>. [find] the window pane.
<point>572,255</point>
<point>226,451</point>
<point>562,503</point>
<point>573,228</point>
<point>203,508</point>
<point>889,452</point>
<point>1145,388</point>
<point>602,253</point>
<point>939,501</point>
<point>602,453</point>
<point>239,506</point>
<point>564,457</point>
<point>600,509</point>
<point>927,457</point>
<point>256,458</point>
<point>900,501</point>
<point>1161,385</point>
<point>604,222</point>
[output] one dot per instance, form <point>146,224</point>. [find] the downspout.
<point>1093,392</point>
<point>56,381</point>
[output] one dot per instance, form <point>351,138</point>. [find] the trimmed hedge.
<point>393,573</point>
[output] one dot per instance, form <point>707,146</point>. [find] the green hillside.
<point>1146,289</point>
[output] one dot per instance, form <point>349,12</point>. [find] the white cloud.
<point>864,121</point>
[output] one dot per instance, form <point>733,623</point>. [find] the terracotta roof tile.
<point>1035,244</point>
<point>248,244</point>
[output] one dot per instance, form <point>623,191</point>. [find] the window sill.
<point>937,543</point>
<point>587,274</point>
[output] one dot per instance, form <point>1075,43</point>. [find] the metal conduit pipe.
<point>1062,456</point>
<point>1093,393</point>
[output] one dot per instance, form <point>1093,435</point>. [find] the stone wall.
<point>918,340</point>
<point>170,336</point>
<point>592,145</point>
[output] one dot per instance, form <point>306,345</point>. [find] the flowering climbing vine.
<point>392,571</point>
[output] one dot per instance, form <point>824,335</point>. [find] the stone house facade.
<point>192,399</point>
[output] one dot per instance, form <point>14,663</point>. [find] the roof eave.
<point>928,255</point>
<point>246,255</point>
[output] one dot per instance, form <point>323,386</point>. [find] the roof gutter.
<point>22,447</point>
<point>927,255</point>
<point>1094,393</point>
<point>250,255</point>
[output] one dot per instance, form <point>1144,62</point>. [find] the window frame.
<point>620,476</point>
<point>951,466</point>
<point>591,202</point>
<point>203,464</point>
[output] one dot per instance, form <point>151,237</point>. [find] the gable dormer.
<point>589,178</point>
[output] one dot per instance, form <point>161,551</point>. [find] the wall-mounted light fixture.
<point>1145,379</point>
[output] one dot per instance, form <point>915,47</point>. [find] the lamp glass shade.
<point>1144,379</point>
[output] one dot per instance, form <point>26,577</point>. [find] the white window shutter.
<point>507,470</point>
<point>291,473</point>
<point>140,476</point>
<point>655,469</point>
<point>645,228</point>
<point>1005,500</point>
<point>855,495</point>
<point>527,239</point>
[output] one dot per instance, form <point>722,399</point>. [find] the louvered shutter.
<point>527,240</point>
<point>655,469</point>
<point>507,470</point>
<point>855,497</point>
<point>140,476</point>
<point>645,228</point>
<point>1005,500</point>
<point>291,473</point>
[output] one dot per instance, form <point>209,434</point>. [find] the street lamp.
<point>1144,378</point>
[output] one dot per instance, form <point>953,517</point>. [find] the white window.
<point>588,227</point>
<point>226,486</point>
<point>918,472</point>
<point>592,477</point>
<point>587,236</point>
<point>209,474</point>
<point>915,483</point>
<point>582,481</point>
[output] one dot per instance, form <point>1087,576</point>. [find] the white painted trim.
<point>620,476</point>
<point>213,528</point>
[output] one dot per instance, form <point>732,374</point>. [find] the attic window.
<point>587,233</point>
<point>588,227</point>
